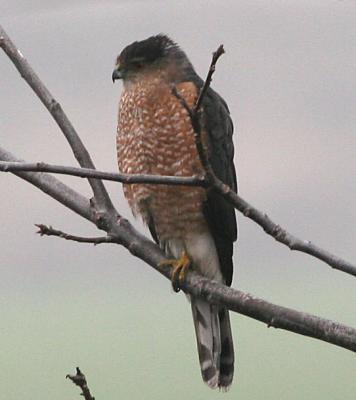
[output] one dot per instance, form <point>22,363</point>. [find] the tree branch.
<point>279,233</point>
<point>143,248</point>
<point>109,176</point>
<point>273,315</point>
<point>80,380</point>
<point>44,230</point>
<point>249,211</point>
<point>216,55</point>
<point>55,109</point>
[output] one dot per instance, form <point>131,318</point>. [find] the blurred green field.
<point>140,345</point>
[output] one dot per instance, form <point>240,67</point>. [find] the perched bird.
<point>192,224</point>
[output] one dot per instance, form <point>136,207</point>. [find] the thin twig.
<point>109,176</point>
<point>216,55</point>
<point>195,116</point>
<point>44,230</point>
<point>55,109</point>
<point>80,380</point>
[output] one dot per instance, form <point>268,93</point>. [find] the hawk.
<point>192,224</point>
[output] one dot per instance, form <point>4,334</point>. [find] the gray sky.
<point>289,77</point>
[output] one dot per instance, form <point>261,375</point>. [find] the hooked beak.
<point>117,74</point>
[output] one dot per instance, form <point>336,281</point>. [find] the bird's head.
<point>152,54</point>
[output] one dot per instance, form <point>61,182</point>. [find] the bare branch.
<point>143,248</point>
<point>279,233</point>
<point>216,55</point>
<point>249,211</point>
<point>44,230</point>
<point>109,176</point>
<point>55,109</point>
<point>273,315</point>
<point>80,380</point>
<point>195,115</point>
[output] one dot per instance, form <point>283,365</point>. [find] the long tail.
<point>214,342</point>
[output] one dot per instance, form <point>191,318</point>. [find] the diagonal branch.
<point>271,314</point>
<point>216,55</point>
<point>55,109</point>
<point>235,300</point>
<point>280,234</point>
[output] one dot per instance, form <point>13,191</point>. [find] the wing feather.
<point>219,213</point>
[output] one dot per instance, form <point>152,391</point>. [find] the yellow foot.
<point>180,269</point>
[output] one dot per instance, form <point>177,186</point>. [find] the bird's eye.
<point>138,64</point>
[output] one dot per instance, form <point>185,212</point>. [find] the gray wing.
<point>218,212</point>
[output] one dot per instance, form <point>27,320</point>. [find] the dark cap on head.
<point>151,52</point>
<point>150,49</point>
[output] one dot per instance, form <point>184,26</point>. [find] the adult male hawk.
<point>195,225</point>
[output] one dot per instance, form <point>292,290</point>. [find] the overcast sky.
<point>289,76</point>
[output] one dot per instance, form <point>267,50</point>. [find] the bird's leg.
<point>180,268</point>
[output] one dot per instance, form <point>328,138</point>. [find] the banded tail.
<point>214,342</point>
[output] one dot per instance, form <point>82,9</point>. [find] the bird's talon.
<point>175,286</point>
<point>180,269</point>
<point>183,272</point>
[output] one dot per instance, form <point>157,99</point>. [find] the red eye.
<point>139,64</point>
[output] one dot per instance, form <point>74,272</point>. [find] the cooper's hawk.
<point>155,136</point>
